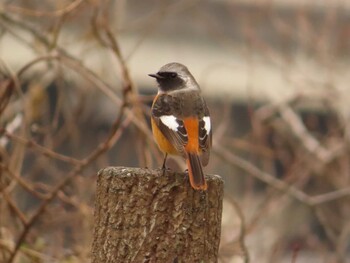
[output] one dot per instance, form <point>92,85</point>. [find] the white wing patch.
<point>170,122</point>
<point>207,124</point>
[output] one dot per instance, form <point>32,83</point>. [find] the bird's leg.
<point>163,166</point>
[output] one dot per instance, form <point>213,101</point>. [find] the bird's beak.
<point>156,76</point>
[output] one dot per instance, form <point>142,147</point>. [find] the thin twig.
<point>116,132</point>
<point>36,13</point>
<point>278,184</point>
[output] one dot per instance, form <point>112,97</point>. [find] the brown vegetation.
<point>66,112</point>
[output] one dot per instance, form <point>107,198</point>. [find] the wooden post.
<point>142,215</point>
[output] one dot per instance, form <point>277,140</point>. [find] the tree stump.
<point>142,215</point>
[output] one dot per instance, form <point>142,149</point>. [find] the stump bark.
<point>142,215</point>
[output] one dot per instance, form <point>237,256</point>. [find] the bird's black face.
<point>168,80</point>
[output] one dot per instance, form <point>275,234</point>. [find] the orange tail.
<point>195,172</point>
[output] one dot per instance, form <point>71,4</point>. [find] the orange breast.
<point>163,143</point>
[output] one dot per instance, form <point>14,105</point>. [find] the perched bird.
<point>180,120</point>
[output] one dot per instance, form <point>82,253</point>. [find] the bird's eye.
<point>173,75</point>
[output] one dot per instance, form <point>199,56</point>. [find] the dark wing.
<point>170,126</point>
<point>205,136</point>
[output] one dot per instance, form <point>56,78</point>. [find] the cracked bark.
<point>144,216</point>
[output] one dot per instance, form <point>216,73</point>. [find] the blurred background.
<point>75,97</point>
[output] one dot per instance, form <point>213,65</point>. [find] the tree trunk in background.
<point>144,216</point>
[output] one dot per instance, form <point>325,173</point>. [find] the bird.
<point>180,120</point>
